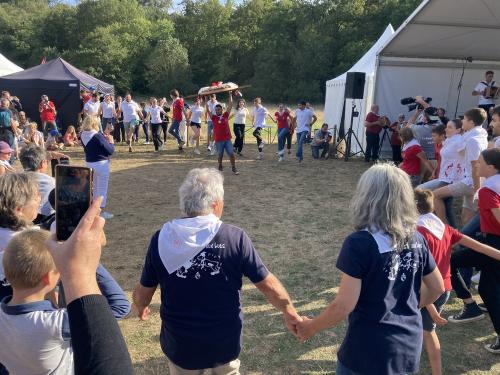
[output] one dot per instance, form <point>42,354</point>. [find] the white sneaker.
<point>209,149</point>
<point>259,156</point>
<point>106,215</point>
<point>281,158</point>
<point>161,148</point>
<point>197,152</point>
<point>476,278</point>
<point>147,143</point>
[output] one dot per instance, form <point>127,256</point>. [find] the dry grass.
<point>297,216</point>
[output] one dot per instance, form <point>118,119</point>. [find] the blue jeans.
<point>301,138</point>
<point>315,150</point>
<point>174,130</point>
<point>224,145</point>
<point>282,134</point>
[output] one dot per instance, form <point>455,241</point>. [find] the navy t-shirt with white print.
<point>200,304</point>
<point>384,335</point>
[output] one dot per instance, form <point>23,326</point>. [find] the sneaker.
<point>161,148</point>
<point>482,306</point>
<point>221,168</point>
<point>147,143</point>
<point>235,171</point>
<point>209,149</point>
<point>259,156</point>
<point>106,215</point>
<point>197,152</point>
<point>213,152</point>
<point>476,278</point>
<point>281,158</point>
<point>495,347</point>
<point>470,313</point>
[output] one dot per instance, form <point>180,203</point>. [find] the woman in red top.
<point>413,157</point>
<point>283,120</point>
<point>489,283</point>
<point>48,114</point>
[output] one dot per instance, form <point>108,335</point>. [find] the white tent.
<point>7,66</point>
<point>335,89</point>
<point>429,52</point>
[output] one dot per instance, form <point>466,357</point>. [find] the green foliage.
<point>286,49</point>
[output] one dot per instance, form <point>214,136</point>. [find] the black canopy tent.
<point>57,79</point>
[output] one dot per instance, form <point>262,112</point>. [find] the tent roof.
<point>7,66</point>
<point>366,63</point>
<point>60,70</point>
<point>449,29</point>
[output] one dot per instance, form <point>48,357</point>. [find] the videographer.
<point>422,122</point>
<point>48,114</point>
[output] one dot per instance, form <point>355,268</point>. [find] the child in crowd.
<point>476,140</point>
<point>440,239</point>
<point>32,135</point>
<point>70,138</point>
<point>53,143</point>
<point>38,338</point>
<point>413,157</point>
<point>495,128</point>
<point>489,283</point>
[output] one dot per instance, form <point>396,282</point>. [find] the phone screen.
<point>73,197</point>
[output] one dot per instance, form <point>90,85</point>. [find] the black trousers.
<point>257,135</point>
<point>155,130</point>
<point>372,146</point>
<point>164,129</point>
<point>239,134</point>
<point>396,154</point>
<point>119,131</point>
<point>489,283</point>
<point>288,140</point>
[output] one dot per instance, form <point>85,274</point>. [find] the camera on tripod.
<point>412,104</point>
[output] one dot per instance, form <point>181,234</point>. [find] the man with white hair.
<point>199,263</point>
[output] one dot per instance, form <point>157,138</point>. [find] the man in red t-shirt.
<point>373,127</point>
<point>48,114</point>
<point>283,120</point>
<point>178,111</point>
<point>222,134</point>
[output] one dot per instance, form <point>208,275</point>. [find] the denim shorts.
<point>427,322</point>
<point>224,145</point>
<point>210,126</point>
<point>130,125</point>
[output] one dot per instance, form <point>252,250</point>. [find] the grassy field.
<point>297,216</point>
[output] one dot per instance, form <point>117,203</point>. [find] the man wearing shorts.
<point>476,140</point>
<point>222,134</point>
<point>131,113</point>
<point>210,127</point>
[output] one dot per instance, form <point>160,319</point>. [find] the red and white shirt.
<point>282,119</point>
<point>452,159</point>
<point>440,238</point>
<point>489,198</point>
<point>221,127</point>
<point>411,162</point>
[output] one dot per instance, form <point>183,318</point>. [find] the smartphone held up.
<point>73,197</point>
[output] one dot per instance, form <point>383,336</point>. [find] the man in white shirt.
<point>304,119</point>
<point>259,121</point>
<point>91,108</point>
<point>486,97</point>
<point>131,114</point>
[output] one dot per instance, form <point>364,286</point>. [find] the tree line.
<point>285,49</point>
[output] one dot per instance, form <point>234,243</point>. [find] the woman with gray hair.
<point>387,273</point>
<point>199,263</point>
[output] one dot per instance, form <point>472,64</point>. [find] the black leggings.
<point>256,134</point>
<point>489,283</point>
<point>288,140</point>
<point>239,134</point>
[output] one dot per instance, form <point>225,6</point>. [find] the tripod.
<point>385,135</point>
<point>459,87</point>
<point>347,138</point>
